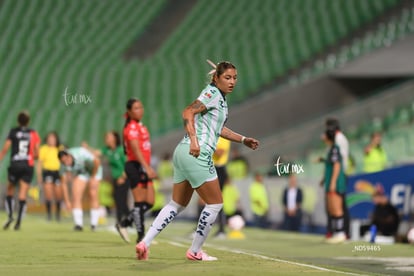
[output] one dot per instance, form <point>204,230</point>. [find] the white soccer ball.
<point>410,235</point>
<point>236,223</point>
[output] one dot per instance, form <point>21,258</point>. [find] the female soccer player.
<point>335,187</point>
<point>114,153</point>
<point>48,167</point>
<point>193,166</point>
<point>83,168</point>
<point>139,173</point>
<point>24,143</point>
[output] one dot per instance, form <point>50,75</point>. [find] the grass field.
<point>42,248</point>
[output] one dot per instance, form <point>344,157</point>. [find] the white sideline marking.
<point>178,244</point>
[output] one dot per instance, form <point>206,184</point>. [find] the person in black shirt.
<point>24,143</point>
<point>385,216</point>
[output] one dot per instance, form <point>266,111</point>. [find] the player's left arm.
<point>236,137</point>
<point>64,182</point>
<point>5,149</point>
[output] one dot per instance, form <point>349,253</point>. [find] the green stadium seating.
<point>49,46</point>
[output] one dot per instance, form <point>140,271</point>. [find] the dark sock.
<point>221,221</point>
<point>49,209</point>
<point>22,204</point>
<point>147,206</point>
<point>138,218</point>
<point>9,202</point>
<point>121,199</point>
<point>58,204</point>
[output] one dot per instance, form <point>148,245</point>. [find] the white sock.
<point>207,218</point>
<point>166,215</point>
<point>94,217</point>
<point>77,216</point>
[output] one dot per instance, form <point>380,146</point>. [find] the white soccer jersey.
<point>343,144</point>
<point>82,162</point>
<point>208,125</point>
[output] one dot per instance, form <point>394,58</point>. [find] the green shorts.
<point>195,170</point>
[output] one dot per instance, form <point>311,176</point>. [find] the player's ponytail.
<point>219,69</point>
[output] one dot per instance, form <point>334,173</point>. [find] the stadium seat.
<point>54,45</point>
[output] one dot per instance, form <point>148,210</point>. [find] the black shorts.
<point>17,172</point>
<point>221,175</point>
<point>51,177</point>
<point>136,174</point>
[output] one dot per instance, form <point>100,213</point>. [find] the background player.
<point>137,147</point>
<point>114,153</point>
<point>335,188</point>
<point>83,168</point>
<point>47,172</point>
<point>24,143</point>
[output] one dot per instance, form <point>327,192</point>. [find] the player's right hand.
<point>194,149</point>
<point>151,173</point>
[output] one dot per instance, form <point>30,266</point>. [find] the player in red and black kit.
<point>139,173</point>
<point>24,143</point>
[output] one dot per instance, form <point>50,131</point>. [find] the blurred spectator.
<point>385,216</point>
<point>165,167</point>
<point>238,167</point>
<point>220,159</point>
<point>231,199</point>
<point>375,158</point>
<point>105,193</point>
<point>292,203</point>
<point>351,167</point>
<point>159,198</point>
<point>259,201</point>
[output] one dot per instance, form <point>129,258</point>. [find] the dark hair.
<point>54,133</point>
<point>117,137</point>
<point>23,118</point>
<point>221,67</point>
<point>330,134</point>
<point>62,153</point>
<point>129,105</point>
<point>332,123</point>
<point>131,102</point>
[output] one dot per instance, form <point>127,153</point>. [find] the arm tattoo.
<point>197,106</point>
<point>185,121</point>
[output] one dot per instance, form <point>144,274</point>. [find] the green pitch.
<point>42,248</point>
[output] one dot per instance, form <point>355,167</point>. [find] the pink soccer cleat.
<point>142,251</point>
<point>199,256</point>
